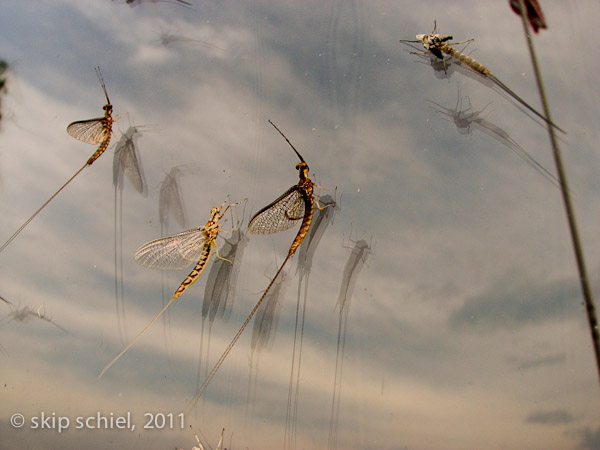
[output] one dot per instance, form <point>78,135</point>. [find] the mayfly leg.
<point>91,131</point>
<point>178,252</point>
<point>438,45</point>
<point>297,203</point>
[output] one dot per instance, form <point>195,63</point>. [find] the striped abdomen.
<point>472,63</point>
<point>104,144</point>
<point>309,208</point>
<point>197,270</point>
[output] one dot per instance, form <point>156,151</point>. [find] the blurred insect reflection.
<point>170,206</point>
<point>126,164</point>
<point>358,257</point>
<point>467,119</point>
<point>25,313</point>
<point>321,221</point>
<point>201,447</point>
<point>170,200</point>
<point>263,334</point>
<point>167,38</point>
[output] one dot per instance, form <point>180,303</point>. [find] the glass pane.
<point>438,304</point>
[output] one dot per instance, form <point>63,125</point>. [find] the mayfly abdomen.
<point>100,150</point>
<point>309,208</point>
<point>196,271</point>
<point>465,59</point>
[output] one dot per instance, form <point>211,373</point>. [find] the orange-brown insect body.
<point>211,231</point>
<point>278,216</point>
<point>107,123</point>
<point>306,186</point>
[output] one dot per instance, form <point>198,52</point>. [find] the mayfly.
<point>438,45</point>
<point>178,252</point>
<point>91,131</point>
<point>297,203</point>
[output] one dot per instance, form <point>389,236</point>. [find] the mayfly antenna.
<point>288,141</point>
<point>99,74</point>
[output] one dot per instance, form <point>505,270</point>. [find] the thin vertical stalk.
<point>583,277</point>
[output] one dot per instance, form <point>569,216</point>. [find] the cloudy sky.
<point>463,324</point>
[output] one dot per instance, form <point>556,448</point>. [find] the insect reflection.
<point>267,317</point>
<point>321,221</point>
<point>25,313</point>
<point>297,203</point>
<point>91,131</point>
<point>167,38</point>
<point>438,45</point>
<point>126,164</point>
<point>170,200</point>
<point>358,257</point>
<point>263,333</point>
<point>466,118</point>
<point>178,252</point>
<point>201,447</point>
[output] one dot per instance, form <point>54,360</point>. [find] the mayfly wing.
<point>172,252</point>
<point>282,214</point>
<point>126,161</point>
<point>92,131</point>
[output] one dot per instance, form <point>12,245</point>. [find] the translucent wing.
<point>280,215</point>
<point>126,162</point>
<point>172,252</point>
<point>92,131</point>
<point>170,200</point>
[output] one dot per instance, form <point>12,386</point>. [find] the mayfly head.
<point>217,213</point>
<point>302,169</point>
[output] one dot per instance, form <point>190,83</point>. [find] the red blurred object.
<point>534,13</point>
